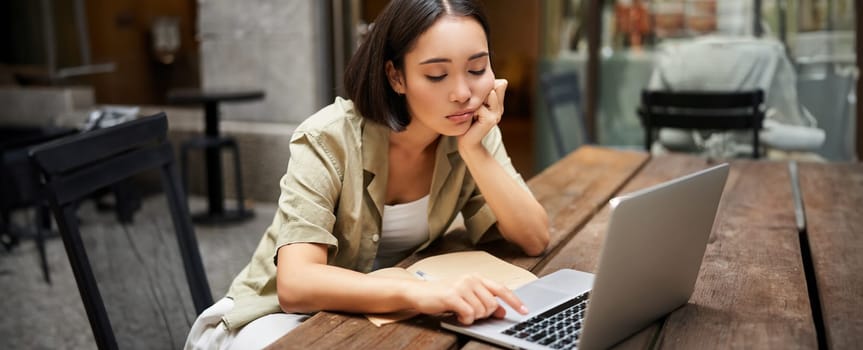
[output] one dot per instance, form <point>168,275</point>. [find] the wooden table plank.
<point>833,200</point>
<point>751,290</point>
<point>345,331</point>
<point>572,190</point>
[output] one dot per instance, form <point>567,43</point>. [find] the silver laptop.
<point>648,266</point>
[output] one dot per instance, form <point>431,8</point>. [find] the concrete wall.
<point>272,45</point>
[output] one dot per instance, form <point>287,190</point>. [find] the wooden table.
<point>833,201</point>
<point>752,288</point>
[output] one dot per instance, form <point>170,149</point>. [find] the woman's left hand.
<point>487,116</point>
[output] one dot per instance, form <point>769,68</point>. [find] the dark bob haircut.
<point>394,33</point>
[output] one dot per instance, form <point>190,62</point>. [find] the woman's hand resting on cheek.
<point>487,116</point>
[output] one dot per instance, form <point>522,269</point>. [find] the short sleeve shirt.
<point>333,193</point>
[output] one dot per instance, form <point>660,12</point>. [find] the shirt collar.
<point>447,149</point>
<point>375,147</point>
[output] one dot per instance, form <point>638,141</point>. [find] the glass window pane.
<point>801,52</point>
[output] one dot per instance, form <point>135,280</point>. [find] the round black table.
<point>212,143</point>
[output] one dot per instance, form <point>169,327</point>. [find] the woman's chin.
<point>456,130</point>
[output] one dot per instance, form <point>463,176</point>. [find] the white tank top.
<point>404,228</point>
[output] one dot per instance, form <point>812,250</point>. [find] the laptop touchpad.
<point>537,298</point>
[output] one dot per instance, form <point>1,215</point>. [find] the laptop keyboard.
<point>557,328</point>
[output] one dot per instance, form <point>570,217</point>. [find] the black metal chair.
<point>562,97</point>
<point>19,187</point>
<point>702,110</point>
<point>75,166</point>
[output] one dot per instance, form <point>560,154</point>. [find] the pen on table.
<point>422,275</point>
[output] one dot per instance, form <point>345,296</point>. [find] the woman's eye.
<point>477,72</point>
<point>436,78</point>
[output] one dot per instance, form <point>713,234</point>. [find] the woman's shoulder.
<point>336,116</point>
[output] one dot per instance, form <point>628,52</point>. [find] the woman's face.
<point>447,75</point>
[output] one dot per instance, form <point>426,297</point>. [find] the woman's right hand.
<point>470,298</point>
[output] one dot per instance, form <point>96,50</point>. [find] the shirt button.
<point>376,237</point>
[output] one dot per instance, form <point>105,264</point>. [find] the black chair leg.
<point>197,278</point>
<point>43,225</point>
<point>128,201</point>
<point>6,237</point>
<point>648,139</point>
<point>184,172</point>
<point>238,177</point>
<point>755,145</point>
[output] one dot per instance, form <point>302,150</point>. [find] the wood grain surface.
<point>751,290</point>
<point>582,251</point>
<point>833,200</point>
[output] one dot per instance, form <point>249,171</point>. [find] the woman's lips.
<point>460,118</point>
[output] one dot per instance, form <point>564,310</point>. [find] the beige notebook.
<point>452,265</point>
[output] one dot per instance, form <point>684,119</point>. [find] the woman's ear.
<point>395,78</point>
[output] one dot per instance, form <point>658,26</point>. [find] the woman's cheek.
<point>486,84</point>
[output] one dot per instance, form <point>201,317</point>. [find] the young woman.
<point>376,178</point>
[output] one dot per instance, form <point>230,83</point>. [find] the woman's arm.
<point>520,218</point>
<point>305,283</point>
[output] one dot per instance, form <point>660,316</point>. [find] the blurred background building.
<point>93,53</point>
<point>817,37</point>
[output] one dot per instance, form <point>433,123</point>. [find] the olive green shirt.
<point>333,193</point>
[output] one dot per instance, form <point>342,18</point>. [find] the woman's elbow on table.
<point>541,237</point>
<point>534,240</point>
<point>538,245</point>
<point>297,266</point>
<point>291,296</point>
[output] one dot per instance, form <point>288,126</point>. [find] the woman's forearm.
<point>324,287</point>
<point>305,286</point>
<point>520,218</point>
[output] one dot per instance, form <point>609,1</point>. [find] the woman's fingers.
<point>492,112</point>
<point>489,301</point>
<point>471,289</point>
<point>487,116</point>
<point>479,295</point>
<point>471,298</point>
<point>506,295</point>
<point>477,306</point>
<point>464,311</point>
<point>492,101</point>
<point>500,90</point>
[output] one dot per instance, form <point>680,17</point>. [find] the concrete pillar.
<point>272,45</point>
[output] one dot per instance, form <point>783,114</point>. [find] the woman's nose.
<point>460,91</point>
